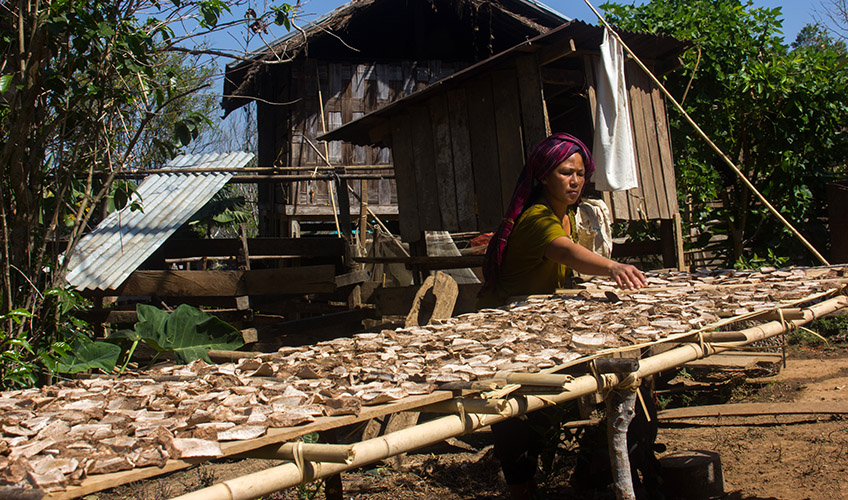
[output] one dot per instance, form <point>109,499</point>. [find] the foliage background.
<point>88,90</point>
<point>779,112</point>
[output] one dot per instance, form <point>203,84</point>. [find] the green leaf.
<point>188,332</point>
<point>282,15</point>
<point>105,30</point>
<point>20,312</point>
<point>282,19</point>
<point>151,321</point>
<point>192,333</point>
<point>120,199</point>
<point>5,83</point>
<point>17,315</point>
<point>90,356</point>
<point>182,133</point>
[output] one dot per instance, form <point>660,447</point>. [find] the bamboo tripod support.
<point>710,143</point>
<point>368,209</point>
<point>291,474</point>
<point>326,154</point>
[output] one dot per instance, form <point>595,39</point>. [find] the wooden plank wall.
<point>467,146</point>
<point>484,154</point>
<point>349,90</point>
<point>656,196</point>
<point>407,196</point>
<point>272,144</point>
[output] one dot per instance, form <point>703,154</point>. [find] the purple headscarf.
<point>542,160</point>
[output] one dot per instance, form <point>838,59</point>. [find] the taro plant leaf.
<point>90,356</point>
<point>149,329</point>
<point>192,333</point>
<point>188,332</point>
<point>151,325</point>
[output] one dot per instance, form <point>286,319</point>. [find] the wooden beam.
<point>678,243</point>
<point>556,76</point>
<point>326,211</point>
<point>447,262</point>
<point>343,197</point>
<point>424,167</point>
<point>508,124</point>
<point>311,330</point>
<point>352,278</point>
<point>756,409</point>
<point>122,317</point>
<point>557,51</point>
<point>292,280</point>
<point>407,190</point>
<point>130,174</point>
<point>443,162</point>
<point>484,156</point>
<point>306,247</point>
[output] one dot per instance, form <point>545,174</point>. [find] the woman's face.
<point>565,183</point>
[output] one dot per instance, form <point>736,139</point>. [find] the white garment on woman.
<point>594,226</point>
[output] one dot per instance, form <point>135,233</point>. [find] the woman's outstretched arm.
<point>582,260</point>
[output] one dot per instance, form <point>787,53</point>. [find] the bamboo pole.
<point>312,452</point>
<point>709,142</point>
<point>326,155</point>
<point>278,478</point>
<point>325,176</point>
<point>330,192</point>
<point>363,217</point>
<point>540,379</point>
<point>243,170</point>
<point>468,405</point>
<point>379,222</point>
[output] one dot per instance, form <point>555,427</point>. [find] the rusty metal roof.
<point>105,257</point>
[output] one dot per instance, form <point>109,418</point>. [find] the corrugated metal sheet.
<point>105,257</point>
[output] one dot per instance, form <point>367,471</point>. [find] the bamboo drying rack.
<point>479,404</point>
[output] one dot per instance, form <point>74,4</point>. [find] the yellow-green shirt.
<point>525,269</point>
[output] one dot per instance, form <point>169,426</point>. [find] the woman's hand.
<point>627,277</point>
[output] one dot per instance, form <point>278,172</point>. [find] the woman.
<point>533,255</point>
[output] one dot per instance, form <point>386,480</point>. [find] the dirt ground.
<point>774,457</point>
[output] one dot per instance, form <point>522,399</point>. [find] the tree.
<point>834,17</point>
<point>87,89</point>
<point>817,36</point>
<point>779,113</point>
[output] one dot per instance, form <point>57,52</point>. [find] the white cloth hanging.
<point>615,158</point>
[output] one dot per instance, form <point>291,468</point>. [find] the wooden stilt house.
<point>459,144</point>
<point>357,59</point>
